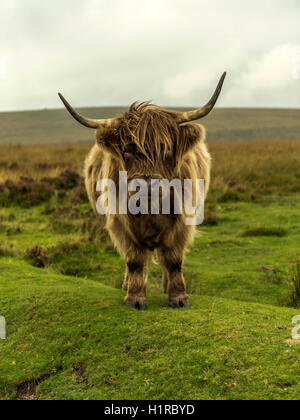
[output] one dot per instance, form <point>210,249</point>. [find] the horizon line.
<point>163,106</point>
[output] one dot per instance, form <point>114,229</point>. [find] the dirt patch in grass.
<point>80,375</point>
<point>27,389</point>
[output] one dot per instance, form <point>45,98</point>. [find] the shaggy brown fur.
<point>149,143</point>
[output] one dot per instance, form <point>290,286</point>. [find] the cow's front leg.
<point>136,288</point>
<point>172,264</point>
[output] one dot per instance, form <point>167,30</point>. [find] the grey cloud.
<point>101,52</point>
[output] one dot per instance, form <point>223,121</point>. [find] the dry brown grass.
<point>241,170</point>
<point>40,161</point>
<point>251,169</point>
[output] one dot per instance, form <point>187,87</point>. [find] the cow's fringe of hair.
<point>153,130</point>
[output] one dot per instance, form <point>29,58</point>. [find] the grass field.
<point>224,124</point>
<point>69,334</point>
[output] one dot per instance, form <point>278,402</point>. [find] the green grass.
<point>70,336</point>
<point>222,262</point>
<point>69,333</point>
<point>73,339</point>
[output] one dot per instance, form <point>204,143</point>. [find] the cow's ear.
<point>190,136</point>
<point>108,138</point>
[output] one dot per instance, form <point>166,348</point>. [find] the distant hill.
<point>57,126</point>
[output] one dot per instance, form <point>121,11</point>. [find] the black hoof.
<point>137,305</point>
<point>184,303</point>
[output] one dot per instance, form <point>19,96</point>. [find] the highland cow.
<point>149,143</point>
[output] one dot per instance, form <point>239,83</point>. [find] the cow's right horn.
<point>87,122</point>
<point>196,114</point>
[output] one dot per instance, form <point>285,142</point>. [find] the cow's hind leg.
<point>171,261</point>
<point>165,280</point>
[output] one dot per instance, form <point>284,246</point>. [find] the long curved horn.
<point>196,114</point>
<point>87,122</point>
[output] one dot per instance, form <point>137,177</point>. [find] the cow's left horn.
<point>196,114</point>
<point>87,122</point>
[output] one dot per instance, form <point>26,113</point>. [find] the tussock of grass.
<point>78,259</point>
<point>211,220</point>
<point>266,231</point>
<point>13,230</point>
<point>26,192</point>
<point>5,251</point>
<point>37,256</point>
<point>294,299</point>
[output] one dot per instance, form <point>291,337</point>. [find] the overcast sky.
<point>113,52</point>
